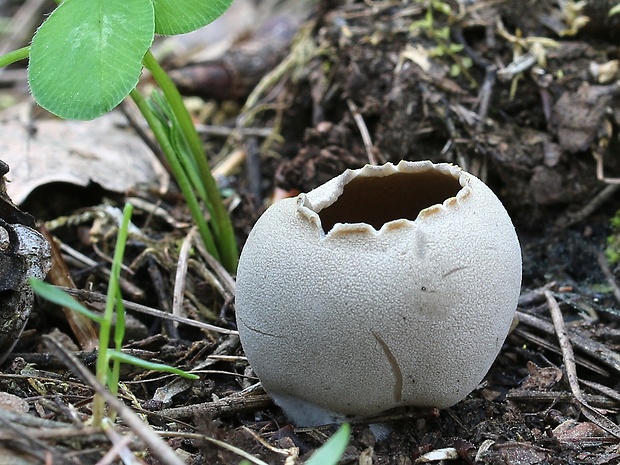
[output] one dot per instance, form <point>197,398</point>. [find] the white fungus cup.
<point>387,286</point>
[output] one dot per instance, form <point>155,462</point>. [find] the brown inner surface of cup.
<point>378,200</point>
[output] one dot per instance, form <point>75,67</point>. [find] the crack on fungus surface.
<point>378,200</point>
<point>398,376</point>
<point>454,270</point>
<point>264,333</point>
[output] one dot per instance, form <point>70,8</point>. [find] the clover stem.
<point>16,55</point>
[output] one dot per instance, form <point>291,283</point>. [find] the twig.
<point>199,270</point>
<point>552,396</point>
<point>194,371</point>
<point>571,370</point>
<point>158,447</point>
<point>229,164</point>
<point>600,169</point>
<point>87,296</point>
<point>484,96</point>
<point>227,405</point>
<point>593,348</point>
<point>361,125</point>
<point>225,278</point>
<point>266,445</point>
<point>609,392</point>
<point>31,421</point>
<point>222,444</point>
<point>490,75</point>
<point>162,295</point>
<point>549,345</point>
<point>61,433</point>
<point>83,261</point>
<point>408,413</point>
<point>589,208</point>
<point>518,66</point>
<point>17,31</point>
<point>535,295</point>
<point>181,273</point>
<point>35,445</point>
<point>154,209</point>
<point>224,131</point>
<point>120,447</point>
<point>253,165</point>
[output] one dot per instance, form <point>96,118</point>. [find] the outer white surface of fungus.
<point>387,286</point>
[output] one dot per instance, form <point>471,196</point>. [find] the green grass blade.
<point>126,358</point>
<point>180,144</point>
<point>224,234</point>
<point>162,135</point>
<point>58,297</point>
<point>119,336</point>
<point>113,285</point>
<point>119,330</point>
<point>103,359</point>
<point>331,452</point>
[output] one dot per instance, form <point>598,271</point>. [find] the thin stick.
<point>17,31</point>
<point>87,433</point>
<point>36,446</point>
<point>224,131</point>
<point>266,445</point>
<point>571,370</point>
<point>361,125</point>
<point>225,278</point>
<point>120,448</point>
<point>226,405</point>
<point>605,194</point>
<point>222,444</point>
<point>152,439</point>
<point>593,348</point>
<point>181,274</point>
<point>553,396</point>
<point>600,169</point>
<point>84,261</point>
<point>89,296</point>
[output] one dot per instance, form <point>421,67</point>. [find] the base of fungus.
<point>305,414</point>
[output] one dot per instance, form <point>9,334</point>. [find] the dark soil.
<point>534,136</point>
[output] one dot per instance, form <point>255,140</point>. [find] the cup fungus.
<point>387,286</point>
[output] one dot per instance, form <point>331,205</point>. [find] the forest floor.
<point>524,95</point>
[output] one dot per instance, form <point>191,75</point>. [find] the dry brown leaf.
<point>76,152</point>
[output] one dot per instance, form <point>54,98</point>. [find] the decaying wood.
<point>227,405</point>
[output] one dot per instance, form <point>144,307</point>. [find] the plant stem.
<point>114,295</point>
<point>179,173</point>
<point>103,359</point>
<point>223,230</point>
<point>14,56</point>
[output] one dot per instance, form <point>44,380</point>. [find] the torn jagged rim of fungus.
<point>456,188</point>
